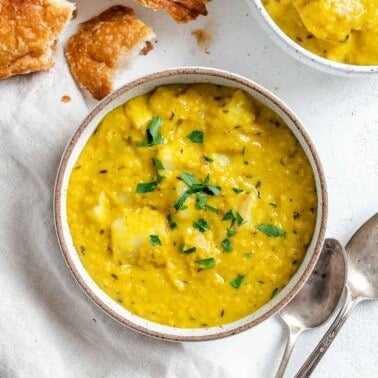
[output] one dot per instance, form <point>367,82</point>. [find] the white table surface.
<point>341,116</point>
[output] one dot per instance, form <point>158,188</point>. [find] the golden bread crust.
<point>100,45</point>
<point>28,33</point>
<point>180,10</point>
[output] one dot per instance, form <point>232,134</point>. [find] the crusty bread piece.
<point>28,34</point>
<point>103,45</point>
<point>180,10</point>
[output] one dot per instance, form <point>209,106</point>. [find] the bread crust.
<point>100,46</point>
<point>180,10</point>
<point>28,33</point>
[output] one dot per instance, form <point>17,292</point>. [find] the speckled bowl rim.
<point>300,53</point>
<point>213,332</point>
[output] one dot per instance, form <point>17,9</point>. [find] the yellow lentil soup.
<point>192,205</point>
<point>345,31</point>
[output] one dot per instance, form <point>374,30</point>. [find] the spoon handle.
<point>314,358</point>
<point>293,334</point>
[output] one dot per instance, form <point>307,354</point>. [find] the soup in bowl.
<point>190,205</point>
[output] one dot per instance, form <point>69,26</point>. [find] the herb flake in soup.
<point>193,234</point>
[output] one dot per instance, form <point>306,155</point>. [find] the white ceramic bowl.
<point>297,51</point>
<point>80,138</point>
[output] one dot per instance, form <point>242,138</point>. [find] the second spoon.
<point>317,299</point>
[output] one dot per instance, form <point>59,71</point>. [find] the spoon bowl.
<point>362,284</point>
<point>318,297</point>
<point>362,257</point>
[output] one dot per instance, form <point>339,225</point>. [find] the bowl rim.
<point>300,53</point>
<point>59,195</point>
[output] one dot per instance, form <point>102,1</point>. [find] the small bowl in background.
<point>79,140</point>
<point>300,53</point>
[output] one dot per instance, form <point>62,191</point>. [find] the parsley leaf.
<point>227,246</point>
<point>180,202</point>
<point>239,219</point>
<point>196,136</point>
<point>274,292</point>
<point>274,205</point>
<point>159,170</point>
<point>189,250</point>
<point>271,230</point>
<point>237,281</point>
<point>208,159</point>
<point>153,135</point>
<point>155,240</point>
<point>194,187</point>
<point>171,222</point>
<point>201,225</point>
<point>237,190</point>
<point>188,178</point>
<point>230,233</point>
<point>206,263</point>
<point>213,209</point>
<point>248,255</point>
<point>145,187</point>
<point>201,201</point>
<point>229,216</point>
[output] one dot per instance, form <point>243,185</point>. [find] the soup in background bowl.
<point>190,205</point>
<point>337,37</point>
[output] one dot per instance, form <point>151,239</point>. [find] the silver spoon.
<point>318,297</point>
<point>362,284</point>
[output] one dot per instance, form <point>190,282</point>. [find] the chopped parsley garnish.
<point>248,255</point>
<point>227,246</point>
<point>180,202</point>
<point>233,218</point>
<point>171,222</point>
<point>196,136</point>
<point>213,209</point>
<point>274,205</point>
<point>229,216</point>
<point>206,263</point>
<point>239,219</point>
<point>155,240</point>
<point>237,281</point>
<point>159,170</point>
<point>230,233</point>
<point>271,230</point>
<point>188,178</point>
<point>201,225</point>
<point>153,135</point>
<point>237,190</point>
<point>145,187</point>
<point>201,201</point>
<point>274,292</point>
<point>188,251</point>
<point>194,187</point>
<point>208,159</point>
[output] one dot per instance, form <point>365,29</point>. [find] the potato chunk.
<point>331,20</point>
<point>133,231</point>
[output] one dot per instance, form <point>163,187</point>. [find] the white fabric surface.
<point>49,328</point>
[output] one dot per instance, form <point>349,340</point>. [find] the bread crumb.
<point>66,99</point>
<point>149,46</point>
<point>205,37</point>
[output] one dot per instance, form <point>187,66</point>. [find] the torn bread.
<point>28,33</point>
<point>105,44</point>
<point>180,10</point>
